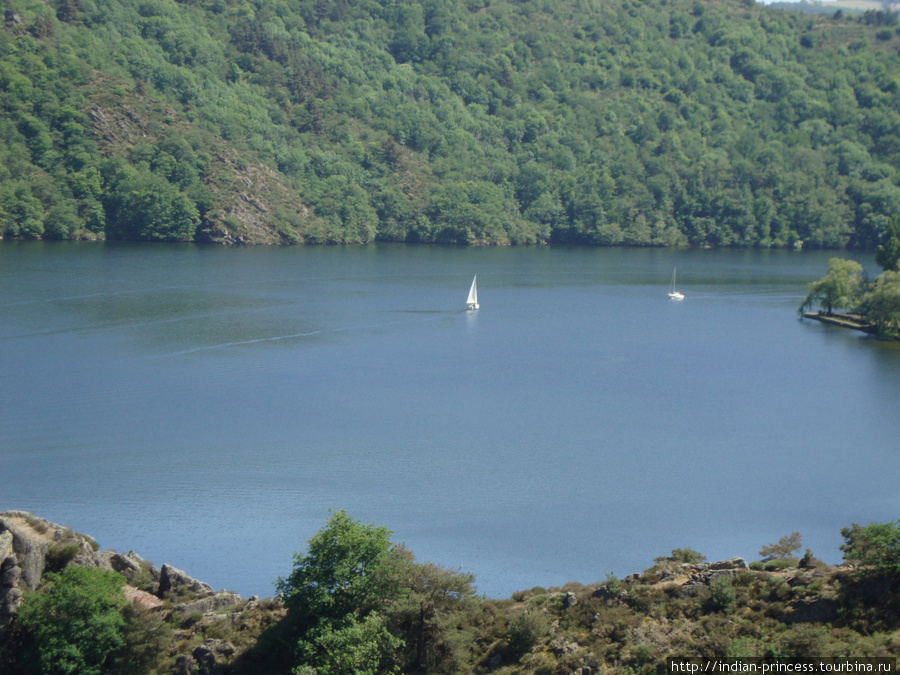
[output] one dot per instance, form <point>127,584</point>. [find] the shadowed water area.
<point>207,406</point>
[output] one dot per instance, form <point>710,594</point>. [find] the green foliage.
<point>783,549</point>
<point>722,595</point>
<point>501,122</point>
<point>881,304</point>
<point>877,546</point>
<point>841,287</point>
<point>887,254</point>
<point>359,604</point>
<point>359,647</point>
<point>60,555</point>
<point>683,555</point>
<point>76,621</point>
<point>342,572</point>
<point>524,632</point>
<point>332,596</point>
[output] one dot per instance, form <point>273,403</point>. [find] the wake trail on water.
<point>297,336</point>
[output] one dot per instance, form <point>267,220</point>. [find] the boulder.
<point>174,579</point>
<point>142,599</point>
<point>6,545</point>
<point>212,603</point>
<point>730,564</point>
<point>132,566</point>
<point>210,656</point>
<point>10,572</point>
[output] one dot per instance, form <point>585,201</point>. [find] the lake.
<point>208,406</point>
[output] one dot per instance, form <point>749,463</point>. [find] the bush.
<point>524,632</point>
<point>722,595</point>
<point>60,555</point>
<point>76,621</point>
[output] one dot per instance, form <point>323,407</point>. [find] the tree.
<point>333,595</point>
<point>881,304</point>
<point>683,555</point>
<point>424,613</point>
<point>877,545</point>
<point>783,549</point>
<point>887,254</point>
<point>76,621</point>
<point>841,287</point>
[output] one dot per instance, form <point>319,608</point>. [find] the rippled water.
<point>207,406</point>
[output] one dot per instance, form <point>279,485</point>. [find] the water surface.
<point>208,406</point>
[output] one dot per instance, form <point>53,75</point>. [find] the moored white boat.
<point>673,294</point>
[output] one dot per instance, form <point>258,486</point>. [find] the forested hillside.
<point>631,122</point>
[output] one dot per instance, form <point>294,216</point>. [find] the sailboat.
<point>673,294</point>
<point>472,302</point>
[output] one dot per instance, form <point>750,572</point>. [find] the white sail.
<point>673,294</point>
<point>472,301</point>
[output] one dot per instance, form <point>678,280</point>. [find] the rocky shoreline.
<point>31,546</point>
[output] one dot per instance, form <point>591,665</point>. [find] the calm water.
<point>206,407</point>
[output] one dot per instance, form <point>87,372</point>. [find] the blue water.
<point>207,407</point>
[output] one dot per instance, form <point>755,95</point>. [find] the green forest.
<point>639,122</point>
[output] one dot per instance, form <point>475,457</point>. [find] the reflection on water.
<point>202,405</point>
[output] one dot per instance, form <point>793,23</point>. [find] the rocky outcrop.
<point>172,579</point>
<point>205,659</point>
<point>28,544</point>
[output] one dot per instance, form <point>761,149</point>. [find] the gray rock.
<point>30,552</point>
<point>730,564</point>
<point>10,572</point>
<point>213,603</point>
<point>210,656</point>
<point>6,545</point>
<point>132,566</point>
<point>174,579</point>
<point>11,601</point>
<point>569,601</point>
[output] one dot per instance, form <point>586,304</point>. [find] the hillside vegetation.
<point>636,122</point>
<point>357,604</point>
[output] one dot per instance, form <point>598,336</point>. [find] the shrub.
<point>722,595</point>
<point>76,621</point>
<point>60,555</point>
<point>778,565</point>
<point>524,632</point>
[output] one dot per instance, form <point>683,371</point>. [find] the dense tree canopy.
<point>841,288</point>
<point>77,622</point>
<point>359,604</point>
<point>665,122</point>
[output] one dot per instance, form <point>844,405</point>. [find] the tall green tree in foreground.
<point>357,603</point>
<point>77,622</point>
<point>333,596</point>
